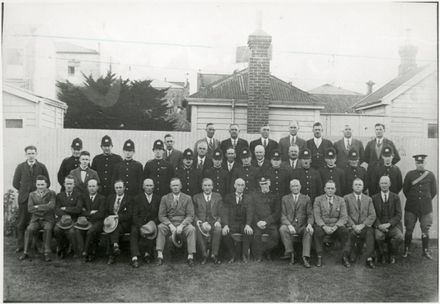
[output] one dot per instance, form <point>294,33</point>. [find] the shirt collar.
<point>31,164</point>
<point>207,195</point>
<point>176,196</point>
<point>121,197</point>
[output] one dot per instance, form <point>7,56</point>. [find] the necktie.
<point>330,202</point>
<point>68,194</point>
<point>200,165</point>
<point>348,145</point>
<point>359,207</point>
<point>239,199</point>
<point>175,201</point>
<point>265,143</point>
<point>91,198</point>
<point>295,199</point>
<point>292,141</point>
<point>234,143</point>
<point>208,207</point>
<point>229,166</point>
<point>31,169</point>
<point>210,144</point>
<point>168,153</point>
<point>292,164</point>
<point>386,198</point>
<point>117,205</point>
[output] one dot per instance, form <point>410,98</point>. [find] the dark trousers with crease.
<point>202,241</point>
<point>23,220</point>
<point>123,227</point>
<point>341,234</point>
<point>136,239</point>
<point>258,246</point>
<point>366,235</point>
<point>90,236</point>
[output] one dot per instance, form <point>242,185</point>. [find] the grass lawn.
<point>411,280</point>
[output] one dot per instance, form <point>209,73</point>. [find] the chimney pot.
<point>370,85</point>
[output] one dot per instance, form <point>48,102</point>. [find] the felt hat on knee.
<point>110,223</point>
<point>82,223</point>
<point>204,228</point>
<point>149,230</point>
<point>176,238</point>
<point>238,237</point>
<point>65,222</point>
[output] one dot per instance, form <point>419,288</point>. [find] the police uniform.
<point>279,177</point>
<point>392,171</point>
<point>310,179</point>
<point>160,171</point>
<point>351,173</point>
<point>419,187</point>
<point>248,173</point>
<point>104,165</point>
<point>335,174</point>
<point>69,163</point>
<point>219,176</point>
<point>191,178</point>
<point>130,172</point>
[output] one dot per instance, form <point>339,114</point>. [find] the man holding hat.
<point>207,207</point>
<point>129,170</point>
<point>245,171</point>
<point>190,177</point>
<point>386,168</point>
<point>218,174</point>
<point>67,209</point>
<point>159,170</point>
<point>352,171</point>
<point>145,221</point>
<point>266,211</point>
<point>307,176</point>
<point>419,187</point>
<point>83,173</point>
<point>331,172</point>
<point>176,213</point>
<point>71,162</point>
<point>104,165</point>
<point>279,176</point>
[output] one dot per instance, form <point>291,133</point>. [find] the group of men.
<point>244,196</point>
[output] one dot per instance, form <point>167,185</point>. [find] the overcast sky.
<point>345,44</point>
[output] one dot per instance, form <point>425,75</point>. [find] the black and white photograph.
<point>220,151</point>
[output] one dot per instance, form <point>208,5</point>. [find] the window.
<point>14,123</point>
<point>15,56</point>
<point>71,70</point>
<point>432,130</point>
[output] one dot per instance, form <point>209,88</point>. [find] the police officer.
<point>279,176</point>
<point>419,187</point>
<point>247,172</point>
<point>159,170</point>
<point>331,172</point>
<point>352,171</point>
<point>190,177</point>
<point>71,162</point>
<point>104,165</point>
<point>218,174</point>
<point>129,170</point>
<point>308,177</point>
<point>386,168</point>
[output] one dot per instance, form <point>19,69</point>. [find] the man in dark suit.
<point>207,207</point>
<point>173,156</point>
<point>145,210</point>
<point>388,225</point>
<point>290,140</point>
<point>344,145</point>
<point>213,143</point>
<point>260,161</point>
<point>234,141</point>
<point>104,165</point>
<point>25,182</point>
<point>268,144</point>
<point>190,177</point>
<point>317,146</point>
<point>201,160</point>
<point>218,174</point>
<point>387,168</point>
<point>121,205</point>
<point>361,217</point>
<point>70,163</point>
<point>83,173</point>
<point>292,161</point>
<point>230,164</point>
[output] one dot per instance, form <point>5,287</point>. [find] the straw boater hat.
<point>110,223</point>
<point>176,238</point>
<point>65,222</point>
<point>149,230</point>
<point>82,223</point>
<point>204,228</point>
<point>238,237</point>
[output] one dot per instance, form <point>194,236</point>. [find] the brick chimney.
<point>407,54</point>
<point>370,85</point>
<point>258,80</point>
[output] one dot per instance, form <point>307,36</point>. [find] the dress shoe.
<point>204,260</point>
<point>286,256</point>
<point>190,262</point>
<point>111,260</point>
<point>135,263</point>
<point>427,254</point>
<point>370,263</point>
<point>392,260</point>
<point>346,262</point>
<point>147,259</point>
<point>24,256</point>
<point>19,249</point>
<point>216,260</point>
<point>405,252</point>
<point>47,257</point>
<point>159,261</point>
<point>231,261</point>
<point>319,261</point>
<point>292,259</point>
<point>306,262</point>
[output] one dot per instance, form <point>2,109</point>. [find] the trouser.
<point>114,236</point>
<point>136,239</point>
<point>425,221</point>
<point>341,234</point>
<point>394,236</point>
<point>188,232</point>
<point>214,239</point>
<point>64,237</point>
<point>90,236</point>
<point>23,219</point>
<point>238,249</point>
<point>288,242</point>
<point>357,239</point>
<point>258,246</point>
<point>33,228</point>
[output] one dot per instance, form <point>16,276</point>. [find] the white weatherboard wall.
<point>15,107</point>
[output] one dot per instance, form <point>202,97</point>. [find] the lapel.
<point>354,200</point>
<point>292,204</point>
<point>123,203</point>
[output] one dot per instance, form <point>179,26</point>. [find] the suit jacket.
<point>286,164</point>
<point>175,158</point>
<point>46,206</point>
<point>365,216</point>
<point>143,211</point>
<point>297,214</point>
<point>370,156</point>
<point>241,144</point>
<point>230,209</point>
<point>98,204</point>
<point>25,182</point>
<point>394,209</point>
<point>79,184</point>
<point>271,145</point>
<point>284,145</point>
<point>318,153</point>
<point>73,204</point>
<point>215,145</point>
<point>183,213</point>
<point>206,164</point>
<point>125,212</point>
<point>342,152</point>
<point>200,208</point>
<point>325,215</point>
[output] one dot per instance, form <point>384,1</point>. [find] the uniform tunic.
<point>419,196</point>
<point>191,179</point>
<point>393,172</point>
<point>67,165</point>
<point>249,174</point>
<point>310,180</point>
<point>279,180</point>
<point>104,165</point>
<point>335,174</point>
<point>220,179</point>
<point>129,171</point>
<point>351,173</point>
<point>161,172</point>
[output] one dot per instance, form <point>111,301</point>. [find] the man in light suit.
<point>176,213</point>
<point>296,220</point>
<point>344,145</point>
<point>330,214</point>
<point>213,143</point>
<point>290,140</point>
<point>207,213</point>
<point>268,144</point>
<point>292,161</point>
<point>173,156</point>
<point>234,141</point>
<point>83,173</point>
<point>361,217</point>
<point>317,146</point>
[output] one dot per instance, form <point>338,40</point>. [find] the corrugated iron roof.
<point>328,89</point>
<point>338,103</point>
<point>67,47</point>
